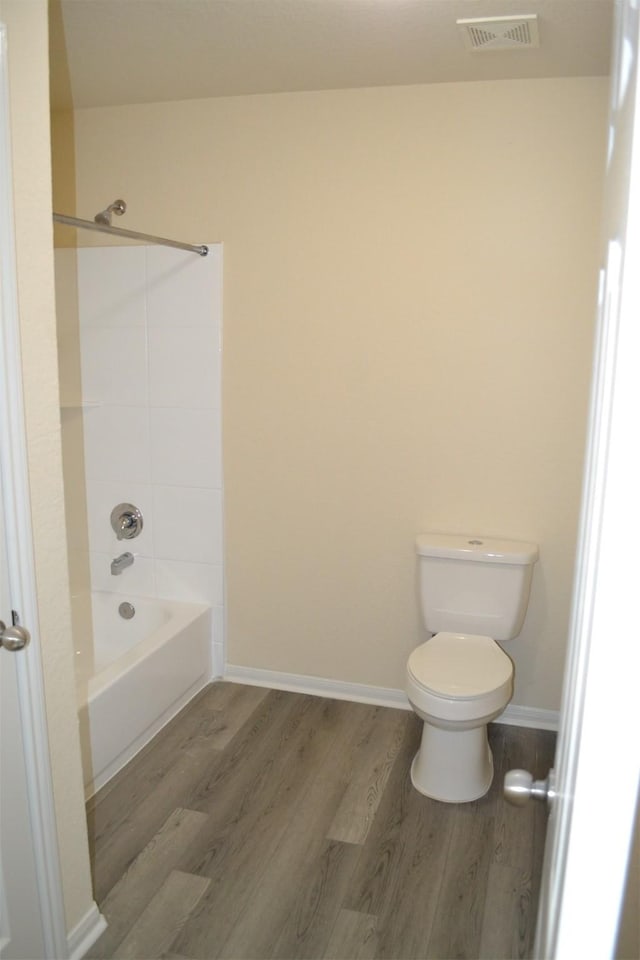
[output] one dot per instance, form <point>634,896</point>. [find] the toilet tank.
<point>474,584</point>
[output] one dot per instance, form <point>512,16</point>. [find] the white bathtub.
<point>136,676</point>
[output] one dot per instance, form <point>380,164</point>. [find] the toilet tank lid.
<point>466,547</point>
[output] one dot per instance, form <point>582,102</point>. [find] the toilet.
<point>474,591</point>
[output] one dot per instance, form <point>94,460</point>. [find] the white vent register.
<point>500,33</point>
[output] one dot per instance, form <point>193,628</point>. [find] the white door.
<point>598,757</point>
<point>31,909</point>
<point>20,924</point>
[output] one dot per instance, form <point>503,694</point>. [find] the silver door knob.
<point>13,638</point>
<point>519,787</point>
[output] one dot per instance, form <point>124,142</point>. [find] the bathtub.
<point>136,676</point>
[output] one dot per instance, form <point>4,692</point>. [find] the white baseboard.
<point>85,933</point>
<point>363,693</point>
<point>534,717</point>
<point>321,687</point>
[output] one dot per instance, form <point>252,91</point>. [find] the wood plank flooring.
<point>263,824</point>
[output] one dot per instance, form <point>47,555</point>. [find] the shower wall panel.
<point>68,335</point>
<point>150,339</point>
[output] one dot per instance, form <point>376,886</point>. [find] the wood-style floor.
<point>266,824</point>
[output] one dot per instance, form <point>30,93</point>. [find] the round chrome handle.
<point>126,521</point>
<point>519,787</point>
<point>13,638</point>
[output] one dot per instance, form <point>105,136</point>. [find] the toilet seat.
<point>461,665</point>
<point>459,676</point>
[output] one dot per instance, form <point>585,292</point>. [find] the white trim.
<point>19,546</point>
<point>534,717</point>
<point>514,715</point>
<point>85,933</point>
<point>318,686</point>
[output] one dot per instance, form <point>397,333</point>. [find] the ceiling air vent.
<point>500,33</point>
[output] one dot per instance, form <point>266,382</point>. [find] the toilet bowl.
<point>456,684</point>
<point>474,591</point>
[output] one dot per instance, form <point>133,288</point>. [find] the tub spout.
<point>121,563</point>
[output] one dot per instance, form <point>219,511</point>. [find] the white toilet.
<point>474,591</point>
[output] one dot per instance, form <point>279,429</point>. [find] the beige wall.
<point>409,289</point>
<point>64,175</point>
<point>27,44</point>
<point>62,138</point>
<point>63,164</point>
<point>72,432</point>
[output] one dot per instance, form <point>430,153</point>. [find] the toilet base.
<point>454,766</point>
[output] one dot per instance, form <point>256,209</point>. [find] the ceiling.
<point>111,52</point>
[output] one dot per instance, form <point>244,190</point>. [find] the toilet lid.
<point>460,665</point>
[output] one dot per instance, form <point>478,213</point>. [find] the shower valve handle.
<point>126,521</point>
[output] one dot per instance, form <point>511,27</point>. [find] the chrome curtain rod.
<point>200,249</point>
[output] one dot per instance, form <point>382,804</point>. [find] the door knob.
<point>519,787</point>
<point>13,638</point>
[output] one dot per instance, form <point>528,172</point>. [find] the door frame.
<point>16,508</point>
<point>598,756</point>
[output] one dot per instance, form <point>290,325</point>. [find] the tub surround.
<point>140,396</point>
<point>150,351</point>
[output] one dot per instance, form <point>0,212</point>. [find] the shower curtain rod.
<point>130,234</point>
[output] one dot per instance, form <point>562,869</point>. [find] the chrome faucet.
<point>121,563</point>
